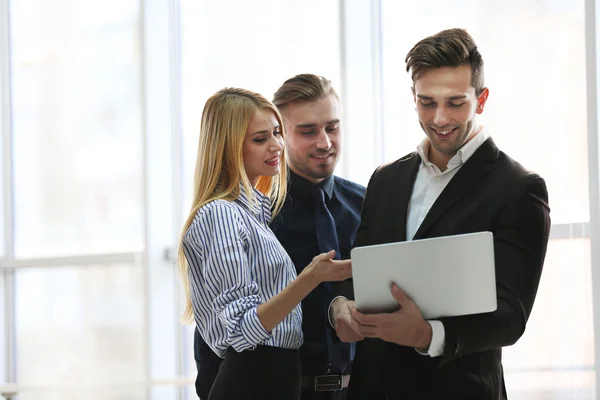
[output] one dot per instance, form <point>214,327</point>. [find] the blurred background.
<point>99,119</point>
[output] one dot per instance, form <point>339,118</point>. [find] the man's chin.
<point>320,173</point>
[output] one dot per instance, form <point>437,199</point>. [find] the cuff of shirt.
<point>438,340</point>
<point>252,330</point>
<point>329,310</point>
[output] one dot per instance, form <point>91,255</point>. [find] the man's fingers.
<point>400,296</point>
<point>368,331</point>
<point>364,319</point>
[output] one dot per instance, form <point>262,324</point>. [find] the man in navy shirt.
<point>312,115</point>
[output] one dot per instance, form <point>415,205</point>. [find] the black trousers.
<point>312,395</point>
<point>264,373</point>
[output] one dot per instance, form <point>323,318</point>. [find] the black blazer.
<point>491,192</point>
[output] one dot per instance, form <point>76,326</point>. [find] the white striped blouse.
<point>235,264</point>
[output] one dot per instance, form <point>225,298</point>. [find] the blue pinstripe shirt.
<point>235,264</point>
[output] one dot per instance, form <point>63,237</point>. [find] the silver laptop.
<point>444,276</point>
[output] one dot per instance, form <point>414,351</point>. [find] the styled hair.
<point>448,48</point>
<point>220,163</point>
<point>303,87</point>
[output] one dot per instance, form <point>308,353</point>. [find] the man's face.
<point>313,135</point>
<point>446,107</point>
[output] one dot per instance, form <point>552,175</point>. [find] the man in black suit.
<point>457,182</point>
<point>312,115</point>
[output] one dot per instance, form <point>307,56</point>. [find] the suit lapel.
<point>476,167</point>
<point>400,194</point>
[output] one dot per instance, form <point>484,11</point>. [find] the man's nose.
<point>323,140</point>
<point>441,116</point>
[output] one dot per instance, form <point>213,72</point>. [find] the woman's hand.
<point>324,269</point>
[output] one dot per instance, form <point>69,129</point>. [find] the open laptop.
<point>444,276</point>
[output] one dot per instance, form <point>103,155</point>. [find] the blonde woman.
<point>241,286</point>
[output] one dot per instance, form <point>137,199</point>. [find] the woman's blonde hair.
<point>220,163</point>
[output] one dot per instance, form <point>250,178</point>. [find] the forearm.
<point>481,332</point>
<point>274,310</point>
<point>520,241</point>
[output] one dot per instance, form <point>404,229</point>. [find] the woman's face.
<point>262,146</point>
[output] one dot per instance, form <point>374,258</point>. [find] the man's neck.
<point>441,160</point>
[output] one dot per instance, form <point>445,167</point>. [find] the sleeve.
<point>346,288</point>
<point>520,241</point>
<point>438,337</point>
<point>330,311</point>
<point>223,276</point>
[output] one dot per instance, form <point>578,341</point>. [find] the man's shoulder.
<point>393,166</point>
<point>348,186</point>
<point>514,170</point>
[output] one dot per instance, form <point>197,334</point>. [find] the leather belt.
<point>325,383</point>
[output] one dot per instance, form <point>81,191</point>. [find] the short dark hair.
<point>303,87</point>
<point>448,48</point>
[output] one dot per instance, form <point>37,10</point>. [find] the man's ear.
<point>482,99</point>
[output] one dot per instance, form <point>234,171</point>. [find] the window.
<point>77,310</point>
<point>534,54</point>
<point>262,44</point>
<point>79,325</point>
<point>76,127</point>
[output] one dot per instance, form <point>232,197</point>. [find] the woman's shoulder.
<point>215,215</point>
<point>217,210</point>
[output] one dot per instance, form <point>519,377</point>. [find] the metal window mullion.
<point>74,261</point>
<point>377,77</point>
<point>591,20</point>
<point>343,72</point>
<point>575,230</point>
<point>8,335</point>
<point>177,172</point>
<point>158,93</point>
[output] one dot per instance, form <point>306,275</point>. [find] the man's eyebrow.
<point>458,97</point>
<point>308,125</point>
<point>313,125</point>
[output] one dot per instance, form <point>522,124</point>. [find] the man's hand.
<point>345,326</point>
<point>405,327</point>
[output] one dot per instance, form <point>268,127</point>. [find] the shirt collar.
<point>304,187</point>
<point>462,155</point>
<point>260,208</point>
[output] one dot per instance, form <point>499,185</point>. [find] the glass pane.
<point>77,126</point>
<point>187,345</point>
<point>534,52</point>
<point>79,325</point>
<point>551,385</point>
<point>554,359</point>
<point>261,43</point>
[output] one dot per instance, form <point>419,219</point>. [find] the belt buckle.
<point>328,383</point>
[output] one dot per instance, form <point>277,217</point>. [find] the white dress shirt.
<point>429,184</point>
